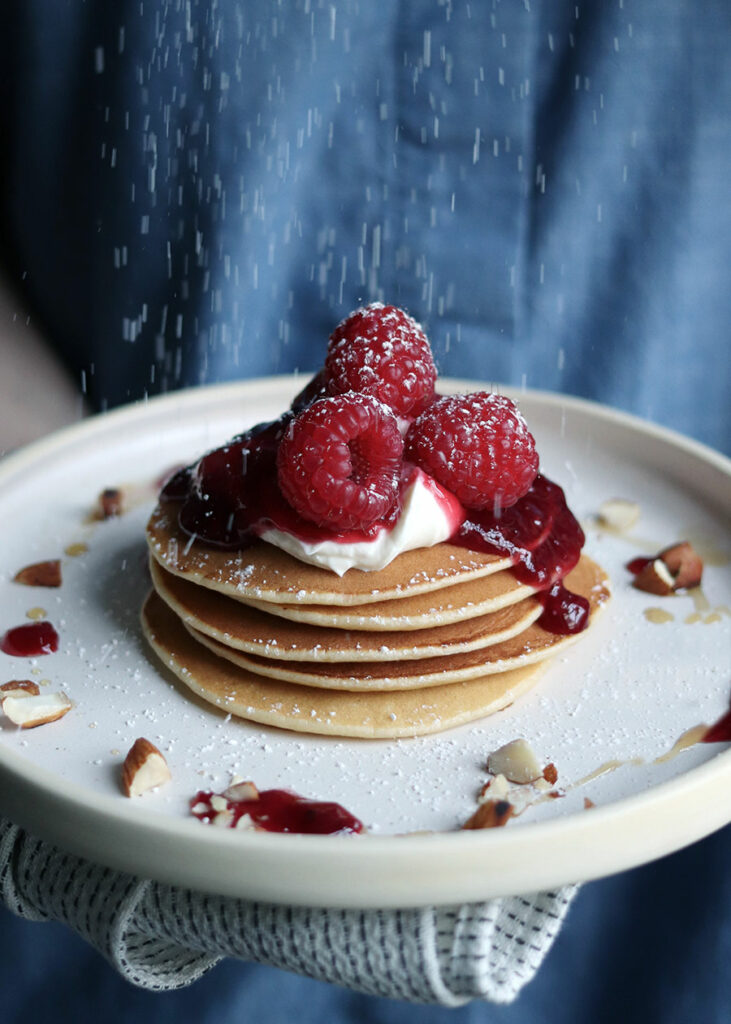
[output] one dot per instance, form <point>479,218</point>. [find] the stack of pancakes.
<point>440,637</point>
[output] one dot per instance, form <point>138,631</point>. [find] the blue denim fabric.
<point>198,191</point>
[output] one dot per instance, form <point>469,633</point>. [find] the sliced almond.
<point>516,761</point>
<point>29,710</point>
<point>619,513</point>
<point>144,768</point>
<point>19,688</point>
<point>655,578</point>
<point>241,791</point>
<point>40,574</point>
<point>490,814</point>
<point>685,564</point>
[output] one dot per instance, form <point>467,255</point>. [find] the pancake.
<point>532,645</point>
<point>375,715</point>
<point>440,637</point>
<point>263,572</point>
<point>417,611</point>
<point>246,629</point>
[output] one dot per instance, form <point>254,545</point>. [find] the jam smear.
<point>563,613</point>
<point>720,731</point>
<point>279,810</point>
<point>30,641</point>
<point>541,536</point>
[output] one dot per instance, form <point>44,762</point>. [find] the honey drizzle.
<point>658,615</point>
<point>704,612</point>
<point>74,550</point>
<point>604,769</point>
<point>687,739</point>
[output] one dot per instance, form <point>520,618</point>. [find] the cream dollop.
<point>429,515</point>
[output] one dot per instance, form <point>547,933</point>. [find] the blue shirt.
<point>197,192</point>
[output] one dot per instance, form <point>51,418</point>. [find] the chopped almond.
<point>550,774</point>
<point>655,578</point>
<point>19,688</point>
<point>144,768</point>
<point>494,789</point>
<point>30,710</point>
<point>619,513</point>
<point>240,791</point>
<point>677,567</point>
<point>110,503</point>
<point>516,761</point>
<point>684,563</point>
<point>40,574</point>
<point>490,814</point>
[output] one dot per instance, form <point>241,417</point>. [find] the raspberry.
<point>339,462</point>
<point>380,351</point>
<point>478,446</point>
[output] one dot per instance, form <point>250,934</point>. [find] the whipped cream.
<point>429,515</point>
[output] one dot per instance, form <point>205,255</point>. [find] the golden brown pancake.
<point>263,572</point>
<point>246,629</point>
<point>376,715</point>
<point>532,645</point>
<point>416,611</point>
<point>440,637</point>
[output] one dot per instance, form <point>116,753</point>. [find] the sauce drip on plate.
<point>278,810</point>
<point>30,640</point>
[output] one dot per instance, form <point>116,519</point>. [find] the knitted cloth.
<point>162,937</point>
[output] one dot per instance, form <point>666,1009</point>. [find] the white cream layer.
<point>429,515</point>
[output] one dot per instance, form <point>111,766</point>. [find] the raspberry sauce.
<point>544,540</point>
<point>30,641</point>
<point>720,731</point>
<point>278,810</point>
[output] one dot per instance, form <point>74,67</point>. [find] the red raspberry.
<point>339,462</point>
<point>381,351</point>
<point>478,446</point>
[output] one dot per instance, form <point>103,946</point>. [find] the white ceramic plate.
<point>624,694</point>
